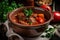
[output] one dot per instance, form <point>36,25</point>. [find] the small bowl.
<point>26,30</point>
<point>38,4</point>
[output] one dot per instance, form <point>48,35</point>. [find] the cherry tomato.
<point>46,7</point>
<point>56,16</point>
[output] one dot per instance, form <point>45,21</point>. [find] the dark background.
<point>57,4</point>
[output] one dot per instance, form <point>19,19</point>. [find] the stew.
<point>29,17</point>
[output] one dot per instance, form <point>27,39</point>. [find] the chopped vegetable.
<point>40,20</point>
<point>41,15</point>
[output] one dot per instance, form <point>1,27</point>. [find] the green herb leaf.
<point>6,7</point>
<point>28,12</point>
<point>30,23</point>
